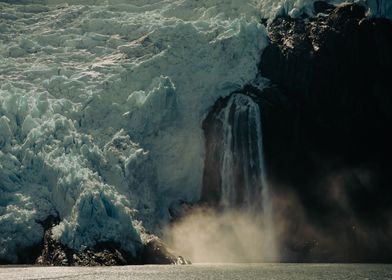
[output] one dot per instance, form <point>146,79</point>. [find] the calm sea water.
<point>205,271</point>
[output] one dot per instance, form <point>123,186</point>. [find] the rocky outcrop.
<point>156,251</point>
<point>52,253</point>
<point>326,121</point>
<point>56,254</point>
<point>107,254</point>
<point>279,120</point>
<point>334,69</point>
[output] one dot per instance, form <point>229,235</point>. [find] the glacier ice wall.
<point>101,105</point>
<point>101,109</point>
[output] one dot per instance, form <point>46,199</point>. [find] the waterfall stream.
<point>242,169</point>
<point>243,184</point>
<point>235,202</point>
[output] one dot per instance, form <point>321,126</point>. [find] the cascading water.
<point>242,168</point>
<point>235,183</point>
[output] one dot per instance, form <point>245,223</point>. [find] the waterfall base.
<point>235,188</point>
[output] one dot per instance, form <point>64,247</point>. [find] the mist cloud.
<point>207,235</point>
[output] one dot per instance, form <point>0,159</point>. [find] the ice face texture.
<point>101,109</point>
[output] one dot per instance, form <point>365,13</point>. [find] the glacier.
<point>101,111</point>
<point>101,106</point>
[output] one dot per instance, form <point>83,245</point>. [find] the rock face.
<point>334,69</point>
<point>326,133</point>
<point>279,120</point>
<point>52,253</point>
<point>337,68</point>
<point>57,254</point>
<point>156,252</point>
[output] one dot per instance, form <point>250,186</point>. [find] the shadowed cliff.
<point>326,118</point>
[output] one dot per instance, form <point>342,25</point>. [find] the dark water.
<point>205,271</point>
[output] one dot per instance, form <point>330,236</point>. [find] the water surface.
<point>205,271</point>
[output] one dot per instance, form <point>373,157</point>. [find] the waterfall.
<point>235,202</point>
<point>242,169</point>
<point>243,183</point>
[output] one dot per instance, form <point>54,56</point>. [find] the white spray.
<point>243,230</point>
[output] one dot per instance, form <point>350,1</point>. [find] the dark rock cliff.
<point>51,252</point>
<point>336,68</point>
<point>327,118</point>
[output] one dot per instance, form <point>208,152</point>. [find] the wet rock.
<point>279,118</point>
<point>340,64</point>
<point>103,254</point>
<point>182,261</point>
<point>156,251</point>
<point>53,253</point>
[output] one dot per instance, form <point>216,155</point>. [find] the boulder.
<point>156,251</point>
